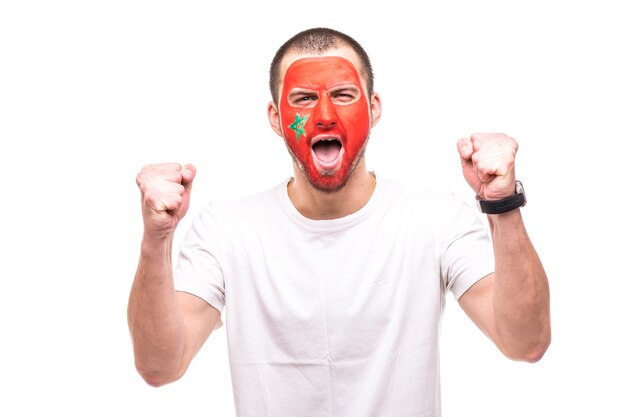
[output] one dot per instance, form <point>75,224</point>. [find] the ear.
<point>375,108</point>
<point>274,118</point>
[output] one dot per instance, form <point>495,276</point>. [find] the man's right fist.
<point>165,191</point>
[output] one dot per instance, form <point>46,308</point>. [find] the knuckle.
<point>480,165</point>
<point>143,173</point>
<point>150,196</point>
<point>169,167</point>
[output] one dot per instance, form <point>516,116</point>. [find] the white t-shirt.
<point>336,317</point>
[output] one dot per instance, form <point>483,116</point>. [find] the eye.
<point>303,99</point>
<point>345,95</point>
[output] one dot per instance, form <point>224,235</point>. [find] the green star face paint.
<point>298,126</point>
<point>325,117</point>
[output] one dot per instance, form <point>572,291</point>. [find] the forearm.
<point>154,317</point>
<point>521,297</point>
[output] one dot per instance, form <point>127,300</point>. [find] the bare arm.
<point>167,328</point>
<point>511,306</point>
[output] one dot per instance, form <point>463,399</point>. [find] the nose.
<point>327,116</point>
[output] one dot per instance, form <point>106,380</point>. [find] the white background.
<point>92,91</point>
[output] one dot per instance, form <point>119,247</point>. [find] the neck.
<point>320,205</point>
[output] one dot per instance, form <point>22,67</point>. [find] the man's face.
<point>325,118</point>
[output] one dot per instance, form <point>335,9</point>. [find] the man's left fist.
<point>488,161</point>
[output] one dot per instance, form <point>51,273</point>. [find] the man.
<point>335,280</point>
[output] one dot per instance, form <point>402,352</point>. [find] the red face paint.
<point>325,118</point>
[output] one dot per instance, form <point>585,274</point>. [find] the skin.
<point>167,327</point>
<point>326,93</point>
<point>359,186</point>
<point>511,306</point>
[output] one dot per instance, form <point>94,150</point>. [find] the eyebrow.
<point>299,90</point>
<point>348,87</point>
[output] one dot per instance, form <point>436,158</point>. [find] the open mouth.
<point>327,151</point>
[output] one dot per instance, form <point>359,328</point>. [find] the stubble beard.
<point>333,187</point>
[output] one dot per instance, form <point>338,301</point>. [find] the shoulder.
<point>246,204</point>
<point>241,212</point>
<point>423,199</point>
<point>437,210</point>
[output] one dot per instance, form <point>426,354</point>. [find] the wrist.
<point>158,233</point>
<point>509,217</point>
<point>504,205</point>
<point>507,228</point>
<point>156,245</point>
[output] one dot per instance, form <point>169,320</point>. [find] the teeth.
<point>328,140</point>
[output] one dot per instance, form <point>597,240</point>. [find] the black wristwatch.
<point>505,205</point>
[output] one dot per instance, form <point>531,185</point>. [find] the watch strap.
<point>504,205</point>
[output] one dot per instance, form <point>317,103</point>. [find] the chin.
<point>327,182</point>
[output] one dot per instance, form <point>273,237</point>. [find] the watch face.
<point>519,189</point>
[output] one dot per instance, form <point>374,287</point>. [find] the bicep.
<point>200,319</point>
<point>477,302</point>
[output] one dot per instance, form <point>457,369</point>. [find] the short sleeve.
<point>198,270</point>
<point>467,250</point>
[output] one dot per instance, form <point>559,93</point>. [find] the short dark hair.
<point>318,41</point>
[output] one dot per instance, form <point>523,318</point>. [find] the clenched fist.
<point>165,191</point>
<point>488,162</point>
